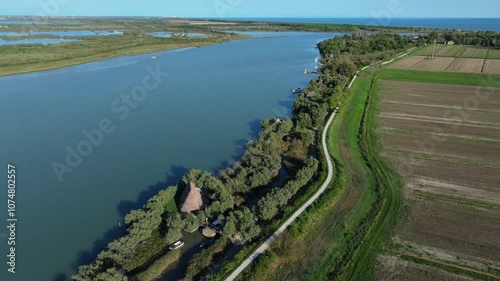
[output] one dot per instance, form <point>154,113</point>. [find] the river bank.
<point>149,150</point>
<point>127,47</point>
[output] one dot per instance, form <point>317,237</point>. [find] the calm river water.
<point>200,116</point>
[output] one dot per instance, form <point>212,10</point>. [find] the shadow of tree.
<point>85,257</point>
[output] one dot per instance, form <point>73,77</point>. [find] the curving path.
<point>297,213</point>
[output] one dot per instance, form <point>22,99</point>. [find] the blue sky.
<point>254,8</point>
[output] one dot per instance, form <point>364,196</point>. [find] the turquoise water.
<point>485,24</point>
<point>64,33</point>
<point>43,41</point>
<point>200,116</point>
<point>38,22</point>
<point>162,34</point>
<point>79,33</point>
<point>13,33</point>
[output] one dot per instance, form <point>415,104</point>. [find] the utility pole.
<point>434,48</point>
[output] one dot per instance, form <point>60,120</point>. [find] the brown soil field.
<point>455,149</point>
<point>466,131</point>
<point>461,192</point>
<point>466,65</point>
<point>407,62</point>
<point>436,64</point>
<point>391,268</point>
<point>443,91</point>
<point>439,188</point>
<point>459,115</point>
<point>482,178</point>
<point>455,227</point>
<point>452,182</point>
<point>492,67</point>
<point>474,52</point>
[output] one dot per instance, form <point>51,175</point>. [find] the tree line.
<point>227,194</point>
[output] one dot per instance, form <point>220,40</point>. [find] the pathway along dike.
<point>297,213</point>
<point>262,248</point>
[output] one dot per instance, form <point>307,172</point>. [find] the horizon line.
<point>241,17</point>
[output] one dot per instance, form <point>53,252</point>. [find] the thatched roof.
<point>191,199</point>
<point>311,94</point>
<point>208,232</point>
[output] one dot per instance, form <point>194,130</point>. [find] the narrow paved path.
<point>297,213</point>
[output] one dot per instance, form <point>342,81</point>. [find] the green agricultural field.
<point>441,77</point>
<point>442,50</point>
<point>427,51</point>
<point>493,54</point>
<point>474,52</point>
<point>451,51</point>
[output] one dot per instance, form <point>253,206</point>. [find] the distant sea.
<point>484,24</point>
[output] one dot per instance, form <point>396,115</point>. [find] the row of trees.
<point>257,168</point>
<point>110,264</point>
<point>363,43</point>
<point>342,56</point>
<point>269,206</point>
<point>484,38</point>
<point>262,160</point>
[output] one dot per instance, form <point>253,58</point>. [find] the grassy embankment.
<point>323,241</point>
<point>328,232</point>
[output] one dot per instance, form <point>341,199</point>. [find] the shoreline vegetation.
<point>230,194</point>
<point>242,198</point>
<point>61,55</point>
<point>341,218</point>
<point>136,38</point>
<point>341,236</point>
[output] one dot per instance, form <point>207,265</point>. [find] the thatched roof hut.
<point>191,199</point>
<point>208,232</point>
<point>311,94</point>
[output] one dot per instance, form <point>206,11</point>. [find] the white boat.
<point>316,60</point>
<point>176,245</point>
